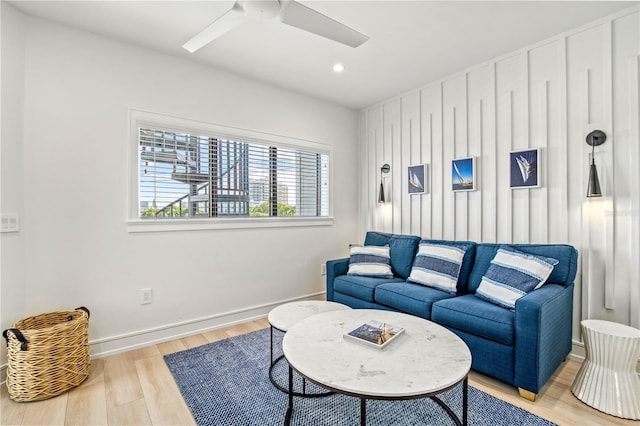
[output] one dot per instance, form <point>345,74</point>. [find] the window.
<point>204,174</point>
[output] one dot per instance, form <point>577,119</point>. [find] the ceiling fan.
<point>288,12</point>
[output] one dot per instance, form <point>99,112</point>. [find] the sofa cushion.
<point>512,274</point>
<point>370,261</point>
<point>374,238</point>
<point>476,316</point>
<point>402,250</point>
<point>563,273</point>
<point>360,287</point>
<point>356,303</point>
<point>467,261</point>
<point>410,298</point>
<point>437,266</point>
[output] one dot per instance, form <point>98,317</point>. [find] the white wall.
<point>73,173</point>
<point>546,96</point>
<point>12,249</point>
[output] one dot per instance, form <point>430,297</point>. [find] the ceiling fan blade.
<point>231,19</point>
<point>300,16</point>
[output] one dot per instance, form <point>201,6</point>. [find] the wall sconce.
<point>595,138</point>
<point>384,169</point>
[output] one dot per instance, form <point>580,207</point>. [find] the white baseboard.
<point>577,350</point>
<point>112,345</point>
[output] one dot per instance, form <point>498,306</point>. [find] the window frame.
<point>140,118</point>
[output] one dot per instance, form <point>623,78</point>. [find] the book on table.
<point>375,333</point>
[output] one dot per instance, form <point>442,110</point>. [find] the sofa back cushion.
<point>374,238</point>
<point>402,250</point>
<point>467,260</point>
<point>563,273</point>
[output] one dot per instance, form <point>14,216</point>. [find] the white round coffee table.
<point>607,379</point>
<point>282,317</point>
<point>425,360</point>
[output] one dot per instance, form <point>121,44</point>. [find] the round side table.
<point>283,317</point>
<point>607,380</point>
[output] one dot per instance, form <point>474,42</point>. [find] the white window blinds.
<point>183,175</point>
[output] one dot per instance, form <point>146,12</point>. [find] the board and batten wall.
<point>547,96</point>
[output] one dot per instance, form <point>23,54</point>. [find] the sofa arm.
<point>335,268</point>
<point>542,334</point>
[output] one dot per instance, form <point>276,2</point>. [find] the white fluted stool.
<point>607,380</point>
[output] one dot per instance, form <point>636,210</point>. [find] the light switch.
<point>10,223</point>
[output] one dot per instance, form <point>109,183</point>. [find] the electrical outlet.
<point>323,269</point>
<point>145,296</point>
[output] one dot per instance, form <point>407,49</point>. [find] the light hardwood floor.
<point>136,388</point>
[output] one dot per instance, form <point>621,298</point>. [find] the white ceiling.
<point>411,43</point>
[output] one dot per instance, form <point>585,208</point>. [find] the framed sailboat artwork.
<point>463,174</point>
<point>524,168</point>
<point>417,179</point>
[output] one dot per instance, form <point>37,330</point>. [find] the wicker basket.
<point>48,354</point>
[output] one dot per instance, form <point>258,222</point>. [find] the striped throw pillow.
<point>370,261</point>
<point>437,266</point>
<point>512,274</point>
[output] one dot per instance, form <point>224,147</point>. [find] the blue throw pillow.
<point>402,249</point>
<point>512,274</point>
<point>437,266</point>
<point>370,261</point>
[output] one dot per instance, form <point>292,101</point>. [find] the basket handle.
<point>19,336</point>
<point>82,308</point>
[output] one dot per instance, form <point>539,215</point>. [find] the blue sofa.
<point>521,346</point>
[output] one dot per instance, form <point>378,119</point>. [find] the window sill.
<point>168,225</point>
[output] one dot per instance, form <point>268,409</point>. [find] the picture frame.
<point>463,174</point>
<point>417,179</point>
<point>524,169</point>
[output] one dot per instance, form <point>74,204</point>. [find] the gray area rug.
<point>227,383</point>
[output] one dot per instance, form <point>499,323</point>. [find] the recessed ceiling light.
<point>338,68</point>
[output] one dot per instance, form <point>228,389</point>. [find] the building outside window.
<point>187,175</point>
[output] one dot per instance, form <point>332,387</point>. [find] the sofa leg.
<point>527,394</point>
